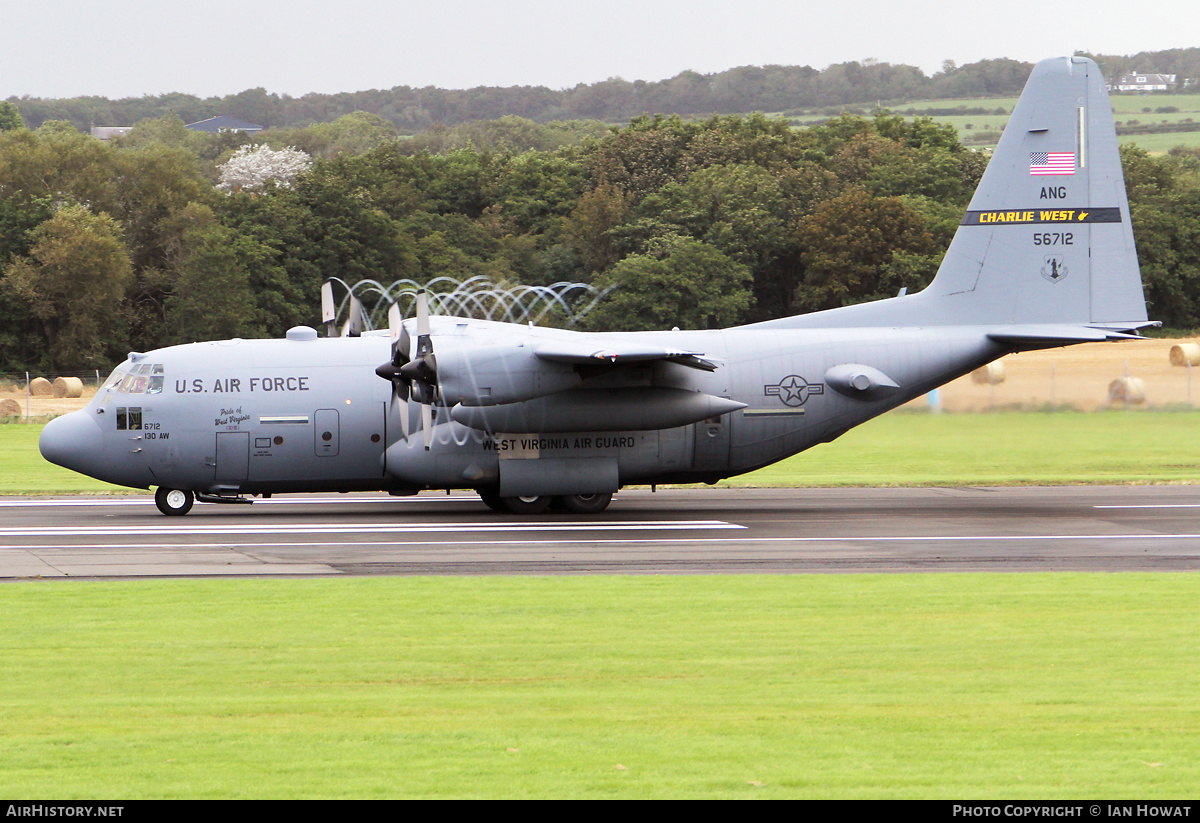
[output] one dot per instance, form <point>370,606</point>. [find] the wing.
<point>592,352</point>
<point>499,376</point>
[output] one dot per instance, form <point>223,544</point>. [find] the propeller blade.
<point>427,424</point>
<point>328,312</point>
<point>391,371</point>
<point>354,323</point>
<point>395,323</point>
<point>422,313</point>
<point>403,347</point>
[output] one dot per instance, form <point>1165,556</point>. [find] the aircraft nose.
<point>73,442</point>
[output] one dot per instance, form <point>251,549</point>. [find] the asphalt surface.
<point>1091,528</point>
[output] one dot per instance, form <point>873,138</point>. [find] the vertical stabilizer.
<point>1047,237</point>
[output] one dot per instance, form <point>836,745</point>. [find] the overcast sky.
<point>123,48</point>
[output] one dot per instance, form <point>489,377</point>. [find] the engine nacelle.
<point>494,375</point>
<point>588,410</point>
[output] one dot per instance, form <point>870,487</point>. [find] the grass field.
<point>1128,110</point>
<point>708,686</point>
<point>798,686</point>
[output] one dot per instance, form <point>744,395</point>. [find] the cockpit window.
<point>146,378</point>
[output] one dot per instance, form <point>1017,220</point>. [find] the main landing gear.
<point>173,502</point>
<point>573,503</point>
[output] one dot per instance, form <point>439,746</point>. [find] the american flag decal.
<point>1051,162</point>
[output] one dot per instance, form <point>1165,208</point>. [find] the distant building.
<point>110,132</point>
<point>1143,82</point>
<point>218,125</point>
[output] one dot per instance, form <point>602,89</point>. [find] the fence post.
<point>27,397</point>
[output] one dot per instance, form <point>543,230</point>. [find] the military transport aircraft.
<point>532,417</point>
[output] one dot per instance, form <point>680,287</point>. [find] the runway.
<point>685,531</point>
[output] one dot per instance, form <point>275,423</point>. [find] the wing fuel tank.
<point>588,410</point>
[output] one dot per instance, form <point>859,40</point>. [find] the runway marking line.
<point>602,541</point>
<point>377,528</point>
<point>1151,506</point>
<point>149,501</point>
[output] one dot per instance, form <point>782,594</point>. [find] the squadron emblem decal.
<point>793,390</point>
<point>1053,269</point>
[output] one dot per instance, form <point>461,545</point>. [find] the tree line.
<point>738,90</point>
<point>107,247</point>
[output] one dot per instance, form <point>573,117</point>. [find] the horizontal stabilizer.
<point>1050,336</point>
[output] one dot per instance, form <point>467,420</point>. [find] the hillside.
<point>737,90</point>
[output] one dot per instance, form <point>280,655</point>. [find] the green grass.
<point>23,471</point>
<point>898,449</point>
<point>887,686</point>
<point>1006,448</point>
<point>1126,108</point>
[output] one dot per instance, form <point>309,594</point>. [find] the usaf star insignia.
<point>793,390</point>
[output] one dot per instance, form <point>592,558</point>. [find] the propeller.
<point>413,374</point>
<point>354,323</point>
<point>328,311</point>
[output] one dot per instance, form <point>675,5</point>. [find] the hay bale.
<point>68,387</point>
<point>1128,390</point>
<point>989,375</point>
<point>41,387</point>
<point>1185,354</point>
<point>10,408</point>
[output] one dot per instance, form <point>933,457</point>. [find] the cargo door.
<point>233,457</point>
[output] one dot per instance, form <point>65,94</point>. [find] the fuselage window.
<point>129,419</point>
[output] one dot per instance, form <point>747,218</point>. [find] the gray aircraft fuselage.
<point>271,416</point>
<point>1044,257</point>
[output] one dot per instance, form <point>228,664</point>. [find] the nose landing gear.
<point>173,502</point>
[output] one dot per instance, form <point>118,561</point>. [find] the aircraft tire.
<point>585,503</point>
<point>173,502</point>
<point>527,505</point>
<point>492,500</point>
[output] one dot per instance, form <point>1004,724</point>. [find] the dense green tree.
<point>315,230</point>
<point>591,223</point>
<point>10,117</point>
<point>850,252</point>
<point>1164,195</point>
<point>352,133</point>
<point>223,286</point>
<point>678,281</point>
<point>73,282</point>
<point>19,340</point>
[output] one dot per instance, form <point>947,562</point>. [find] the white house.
<point>1143,82</point>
